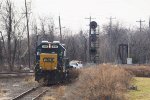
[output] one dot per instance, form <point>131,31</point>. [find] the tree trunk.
<point>9,39</point>
<point>14,52</point>
<point>1,57</point>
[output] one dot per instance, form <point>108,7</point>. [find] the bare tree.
<point>7,17</point>
<point>1,54</point>
<point>10,23</point>
<point>27,19</point>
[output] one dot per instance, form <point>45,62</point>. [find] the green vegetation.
<point>143,92</point>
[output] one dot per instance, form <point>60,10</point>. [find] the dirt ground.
<point>13,86</point>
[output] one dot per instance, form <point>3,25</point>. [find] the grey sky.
<point>73,12</point>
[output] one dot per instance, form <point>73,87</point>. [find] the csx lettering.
<point>48,59</point>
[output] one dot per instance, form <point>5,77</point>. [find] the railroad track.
<point>32,94</point>
<point>15,74</point>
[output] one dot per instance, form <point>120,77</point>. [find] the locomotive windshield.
<point>51,48</point>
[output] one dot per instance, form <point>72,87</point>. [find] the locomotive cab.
<point>51,62</point>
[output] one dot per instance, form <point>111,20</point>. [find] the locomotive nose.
<point>48,61</point>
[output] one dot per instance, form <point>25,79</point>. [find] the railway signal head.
<point>93,38</point>
<point>93,50</point>
<point>93,25</point>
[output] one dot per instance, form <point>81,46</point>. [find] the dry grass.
<point>55,93</point>
<point>29,80</point>
<point>100,82</point>
<point>49,98</point>
<point>3,91</point>
<point>139,71</point>
<point>73,75</point>
<point>60,92</point>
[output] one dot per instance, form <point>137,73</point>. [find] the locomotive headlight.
<point>55,67</point>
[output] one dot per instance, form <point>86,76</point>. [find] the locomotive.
<point>52,66</point>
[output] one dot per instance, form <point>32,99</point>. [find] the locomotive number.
<point>48,59</point>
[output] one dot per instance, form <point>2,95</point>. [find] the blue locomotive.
<point>51,63</point>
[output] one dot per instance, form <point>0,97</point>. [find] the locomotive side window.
<point>61,54</point>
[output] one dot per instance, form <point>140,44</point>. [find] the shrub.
<point>139,71</point>
<point>73,74</point>
<point>98,82</point>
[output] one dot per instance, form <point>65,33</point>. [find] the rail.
<point>25,93</point>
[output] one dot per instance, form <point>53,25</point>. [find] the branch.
<point>19,20</point>
<point>1,4</point>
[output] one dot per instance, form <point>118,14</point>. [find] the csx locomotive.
<point>51,62</point>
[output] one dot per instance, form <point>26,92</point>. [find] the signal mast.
<point>93,43</point>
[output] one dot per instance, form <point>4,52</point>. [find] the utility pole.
<point>37,35</point>
<point>110,25</point>
<point>110,36</point>
<point>26,8</point>
<point>90,19</point>
<point>149,22</point>
<point>140,21</point>
<point>129,44</point>
<point>1,58</point>
<point>60,29</point>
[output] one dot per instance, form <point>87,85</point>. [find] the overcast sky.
<point>74,12</point>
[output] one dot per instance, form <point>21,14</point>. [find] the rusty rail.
<point>25,93</point>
